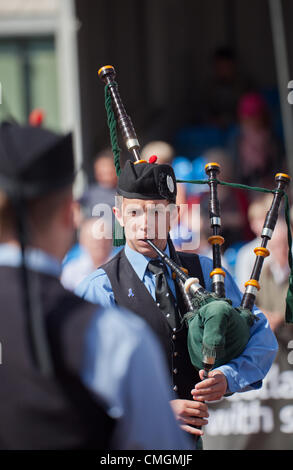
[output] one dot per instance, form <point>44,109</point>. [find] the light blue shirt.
<point>124,365</point>
<point>244,373</point>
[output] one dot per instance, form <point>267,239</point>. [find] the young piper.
<point>73,374</point>
<point>134,279</point>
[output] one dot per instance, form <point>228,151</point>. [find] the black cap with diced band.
<point>142,180</point>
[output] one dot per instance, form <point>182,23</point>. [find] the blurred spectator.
<point>275,277</point>
<point>182,167</point>
<point>199,231</point>
<point>189,233</point>
<point>94,250</point>
<point>246,257</point>
<point>233,201</point>
<point>103,190</point>
<point>255,148</point>
<point>163,150</point>
<point>75,251</point>
<point>182,233</point>
<point>224,89</point>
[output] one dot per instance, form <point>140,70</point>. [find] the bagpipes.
<point>217,331</point>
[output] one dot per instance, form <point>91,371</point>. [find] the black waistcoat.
<point>38,412</point>
<point>131,293</point>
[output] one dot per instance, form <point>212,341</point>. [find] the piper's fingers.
<point>191,430</point>
<point>205,383</point>
<point>212,396</point>
<point>201,412</point>
<point>194,421</point>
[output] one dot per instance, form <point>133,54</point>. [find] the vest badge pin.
<point>130,293</point>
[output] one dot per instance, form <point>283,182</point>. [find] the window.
<point>28,76</point>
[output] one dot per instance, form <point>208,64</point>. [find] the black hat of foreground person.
<point>34,161</point>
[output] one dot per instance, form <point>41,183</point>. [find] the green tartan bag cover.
<point>217,329</point>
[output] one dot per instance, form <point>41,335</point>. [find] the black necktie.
<point>164,297</point>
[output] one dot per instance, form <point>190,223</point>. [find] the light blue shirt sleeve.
<point>96,288</point>
<point>124,365</point>
<point>247,371</point>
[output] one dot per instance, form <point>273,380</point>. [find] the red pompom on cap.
<point>153,159</point>
<point>36,117</point>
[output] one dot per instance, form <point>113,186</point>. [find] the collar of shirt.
<point>139,262</point>
<point>36,260</point>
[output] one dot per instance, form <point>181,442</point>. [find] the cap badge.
<point>170,183</point>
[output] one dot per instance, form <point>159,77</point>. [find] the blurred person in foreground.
<point>95,248</point>
<point>74,375</point>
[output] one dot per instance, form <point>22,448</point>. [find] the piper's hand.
<point>212,388</point>
<point>189,412</point>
